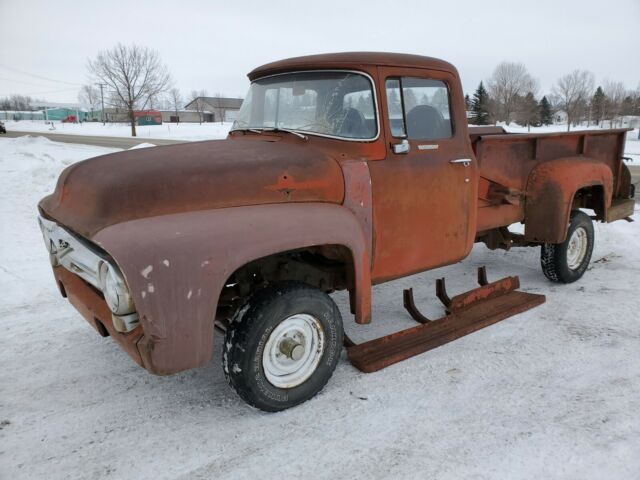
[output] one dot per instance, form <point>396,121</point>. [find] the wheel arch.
<point>556,187</point>
<point>176,267</point>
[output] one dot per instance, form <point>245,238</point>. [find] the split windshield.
<point>337,104</point>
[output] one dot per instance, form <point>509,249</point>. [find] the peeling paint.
<point>165,262</point>
<point>189,294</point>
<point>146,271</point>
<point>151,288</point>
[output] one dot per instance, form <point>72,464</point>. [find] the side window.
<point>425,108</point>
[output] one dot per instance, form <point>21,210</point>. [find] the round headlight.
<point>115,290</point>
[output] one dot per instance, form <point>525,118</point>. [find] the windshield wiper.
<point>253,130</point>
<point>286,130</point>
<point>270,129</point>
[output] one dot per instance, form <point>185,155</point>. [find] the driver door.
<point>424,191</point>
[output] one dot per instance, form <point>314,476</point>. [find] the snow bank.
<point>182,131</point>
<point>29,168</point>
<point>551,393</point>
<point>142,145</point>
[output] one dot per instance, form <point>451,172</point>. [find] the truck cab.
<point>341,171</point>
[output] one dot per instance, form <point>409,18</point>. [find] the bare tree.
<point>509,81</point>
<point>135,74</point>
<point>89,96</point>
<point>18,102</point>
<point>198,101</point>
<point>175,102</point>
<point>615,93</point>
<point>573,92</point>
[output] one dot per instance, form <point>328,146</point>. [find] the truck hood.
<point>118,187</point>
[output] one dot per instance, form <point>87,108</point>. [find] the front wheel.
<point>283,347</point>
<point>566,262</point>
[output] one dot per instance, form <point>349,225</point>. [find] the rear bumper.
<point>94,309</point>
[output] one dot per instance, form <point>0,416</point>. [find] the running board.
<point>466,313</point>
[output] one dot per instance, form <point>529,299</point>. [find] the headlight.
<point>115,290</point>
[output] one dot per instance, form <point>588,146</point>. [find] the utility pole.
<point>102,85</point>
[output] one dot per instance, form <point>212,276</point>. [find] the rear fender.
<point>176,266</point>
<point>550,190</point>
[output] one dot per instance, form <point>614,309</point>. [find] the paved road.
<point>114,142</point>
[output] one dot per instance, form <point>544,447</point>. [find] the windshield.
<point>338,104</point>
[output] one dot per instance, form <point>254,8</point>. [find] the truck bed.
<point>505,161</point>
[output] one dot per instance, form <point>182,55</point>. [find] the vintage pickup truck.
<point>341,171</point>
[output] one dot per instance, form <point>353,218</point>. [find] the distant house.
<point>18,115</point>
<point>560,117</point>
<point>63,111</point>
<point>186,116</point>
<point>219,108</point>
<point>148,117</point>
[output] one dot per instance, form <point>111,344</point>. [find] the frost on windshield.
<point>337,104</point>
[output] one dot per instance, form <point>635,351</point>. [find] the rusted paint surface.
<point>351,60</point>
<point>469,312</point>
<point>550,191</point>
<point>95,311</point>
<point>177,299</point>
<point>424,209</point>
<point>548,169</point>
<point>358,196</point>
<point>115,188</point>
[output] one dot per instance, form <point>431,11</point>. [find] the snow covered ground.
<point>182,131</point>
<point>551,393</point>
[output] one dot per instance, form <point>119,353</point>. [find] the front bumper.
<point>81,258</point>
<point>94,309</point>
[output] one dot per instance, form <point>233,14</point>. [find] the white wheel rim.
<point>577,248</point>
<point>293,351</point>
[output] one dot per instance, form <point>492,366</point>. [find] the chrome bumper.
<point>77,256</point>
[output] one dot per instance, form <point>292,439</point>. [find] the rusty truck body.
<point>342,171</point>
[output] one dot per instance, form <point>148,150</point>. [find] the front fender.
<point>176,266</point>
<point>550,189</point>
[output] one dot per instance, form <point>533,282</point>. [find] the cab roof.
<point>351,60</point>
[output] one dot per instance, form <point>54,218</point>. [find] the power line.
<point>50,91</point>
<point>37,76</point>
<point>24,82</point>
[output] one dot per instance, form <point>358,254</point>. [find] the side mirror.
<point>402,147</point>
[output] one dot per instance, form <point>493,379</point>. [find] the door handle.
<point>464,161</point>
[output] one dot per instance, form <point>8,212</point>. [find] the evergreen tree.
<point>529,110</point>
<point>467,102</point>
<point>546,115</point>
<point>628,105</point>
<point>598,106</point>
<point>480,106</point>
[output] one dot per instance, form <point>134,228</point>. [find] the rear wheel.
<point>283,347</point>
<point>566,262</point>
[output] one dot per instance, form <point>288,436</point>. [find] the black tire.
<point>249,334</point>
<point>554,257</point>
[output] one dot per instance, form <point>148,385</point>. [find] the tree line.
<point>134,78</point>
<point>511,95</point>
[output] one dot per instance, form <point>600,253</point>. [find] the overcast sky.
<point>44,45</point>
